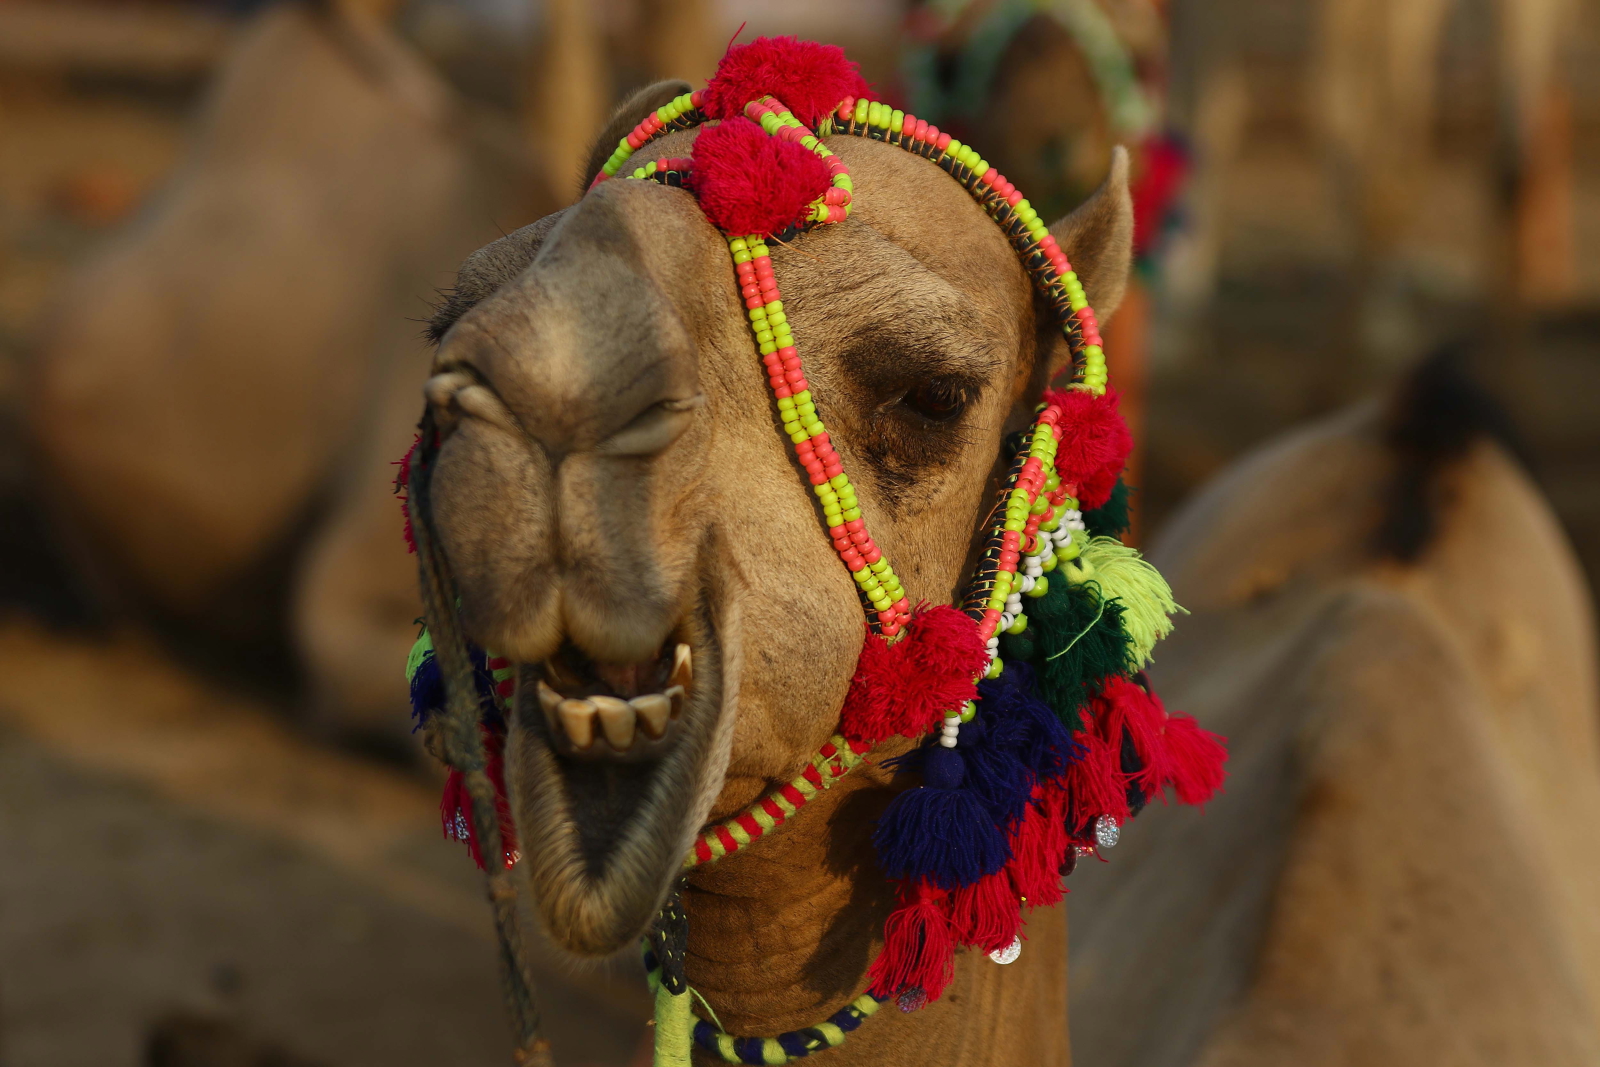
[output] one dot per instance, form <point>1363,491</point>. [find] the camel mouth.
<point>616,711</point>
<point>612,768</point>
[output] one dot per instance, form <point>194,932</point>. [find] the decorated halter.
<point>1031,759</point>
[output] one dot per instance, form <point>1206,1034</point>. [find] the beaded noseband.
<point>1070,743</point>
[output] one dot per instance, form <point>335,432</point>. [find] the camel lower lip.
<point>604,832</point>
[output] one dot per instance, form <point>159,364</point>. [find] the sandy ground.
<point>165,847</point>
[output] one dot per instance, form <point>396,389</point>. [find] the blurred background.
<point>222,225</point>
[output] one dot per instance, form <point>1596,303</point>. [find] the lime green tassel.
<point>419,652</point>
<point>1124,575</point>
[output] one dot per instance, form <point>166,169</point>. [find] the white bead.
<point>1033,571</point>
<point>1072,516</point>
<point>950,731</point>
<point>1006,619</point>
<point>993,644</point>
<point>948,742</point>
<point>1014,604</point>
<point>1027,583</point>
<point>952,720</point>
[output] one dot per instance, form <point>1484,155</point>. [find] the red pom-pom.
<point>907,687</point>
<point>809,78</point>
<point>1094,444</point>
<point>749,182</point>
<point>918,952</point>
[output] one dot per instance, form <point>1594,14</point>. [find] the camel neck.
<point>781,933</point>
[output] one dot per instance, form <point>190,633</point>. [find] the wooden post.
<point>568,93</point>
<point>1541,210</point>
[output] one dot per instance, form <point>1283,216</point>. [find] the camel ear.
<point>1098,239</point>
<point>629,114</point>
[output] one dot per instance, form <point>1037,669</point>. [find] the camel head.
<point>624,518</point>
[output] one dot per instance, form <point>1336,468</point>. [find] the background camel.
<point>1390,627</point>
<point>207,370</point>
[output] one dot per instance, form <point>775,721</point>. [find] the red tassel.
<point>918,952</point>
<point>986,914</point>
<point>455,806</point>
<point>907,687</point>
<point>1038,847</point>
<point>1195,759</point>
<point>1095,783</point>
<point>1124,705</point>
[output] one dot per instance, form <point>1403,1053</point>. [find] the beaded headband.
<point>1071,741</point>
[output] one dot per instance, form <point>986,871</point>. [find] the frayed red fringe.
<point>985,914</point>
<point>748,182</point>
<point>1094,445</point>
<point>1123,705</point>
<point>1195,759</point>
<point>810,79</point>
<point>401,481</point>
<point>918,950</point>
<point>907,687</point>
<point>1094,782</point>
<point>1038,847</point>
<point>455,807</point>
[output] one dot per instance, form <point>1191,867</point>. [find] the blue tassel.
<point>1024,724</point>
<point>427,688</point>
<point>427,691</point>
<point>995,773</point>
<point>943,836</point>
<point>943,768</point>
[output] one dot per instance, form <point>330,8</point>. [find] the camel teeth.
<point>617,719</point>
<point>550,701</point>
<point>654,709</point>
<point>682,667</point>
<point>577,719</point>
<point>675,695</point>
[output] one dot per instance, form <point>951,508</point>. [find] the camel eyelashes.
<point>939,399</point>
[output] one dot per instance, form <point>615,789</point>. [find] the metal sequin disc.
<point>911,1000</point>
<point>1009,953</point>
<point>1106,832</point>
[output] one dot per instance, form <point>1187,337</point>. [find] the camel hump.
<point>1434,420</point>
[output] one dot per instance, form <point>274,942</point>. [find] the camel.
<point>613,503</point>
<point>605,451</point>
<point>173,417</point>
<point>1404,867</point>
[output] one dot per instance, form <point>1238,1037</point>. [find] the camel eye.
<point>938,399</point>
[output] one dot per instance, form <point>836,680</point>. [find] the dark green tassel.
<point>1110,519</point>
<point>1079,640</point>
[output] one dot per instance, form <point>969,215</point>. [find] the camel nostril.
<point>653,429</point>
